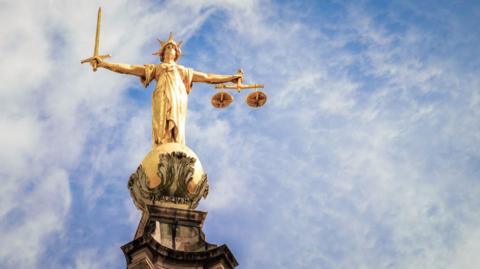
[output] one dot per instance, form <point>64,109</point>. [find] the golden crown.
<point>169,41</point>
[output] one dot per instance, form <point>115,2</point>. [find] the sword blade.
<point>97,34</point>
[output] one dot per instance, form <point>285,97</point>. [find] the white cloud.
<point>95,258</point>
<point>358,177</point>
<point>53,109</point>
<point>465,254</point>
<point>32,216</point>
<point>359,159</point>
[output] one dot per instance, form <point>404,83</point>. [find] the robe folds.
<point>169,101</point>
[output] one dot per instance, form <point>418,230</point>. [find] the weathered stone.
<point>173,238</point>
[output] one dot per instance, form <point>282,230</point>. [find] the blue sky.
<point>366,155</point>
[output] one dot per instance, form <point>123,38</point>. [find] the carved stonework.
<point>175,171</point>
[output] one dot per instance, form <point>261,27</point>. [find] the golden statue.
<point>171,174</point>
<point>174,83</point>
<point>170,97</point>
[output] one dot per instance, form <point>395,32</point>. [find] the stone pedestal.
<point>173,238</point>
<point>167,187</point>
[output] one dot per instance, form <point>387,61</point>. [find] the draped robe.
<point>169,101</point>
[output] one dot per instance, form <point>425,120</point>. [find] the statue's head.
<point>169,47</point>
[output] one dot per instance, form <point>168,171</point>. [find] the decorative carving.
<point>139,190</point>
<point>175,171</point>
<point>201,191</point>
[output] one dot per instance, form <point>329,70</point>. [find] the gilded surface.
<point>173,84</point>
<point>170,175</point>
<point>224,99</point>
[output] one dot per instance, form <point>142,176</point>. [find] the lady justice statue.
<point>174,83</point>
<point>170,97</point>
<point>170,174</point>
<point>182,175</point>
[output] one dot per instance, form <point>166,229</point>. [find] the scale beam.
<point>239,87</point>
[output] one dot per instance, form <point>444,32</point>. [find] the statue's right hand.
<point>98,61</point>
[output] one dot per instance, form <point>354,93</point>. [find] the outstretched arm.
<point>214,78</point>
<point>136,70</point>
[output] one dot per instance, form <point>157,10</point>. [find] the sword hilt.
<point>92,60</point>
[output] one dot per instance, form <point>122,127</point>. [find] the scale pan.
<point>221,100</point>
<point>256,99</point>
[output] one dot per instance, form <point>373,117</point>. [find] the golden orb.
<point>170,175</point>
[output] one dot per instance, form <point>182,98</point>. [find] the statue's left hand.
<point>237,77</point>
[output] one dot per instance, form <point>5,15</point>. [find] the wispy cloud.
<point>365,155</point>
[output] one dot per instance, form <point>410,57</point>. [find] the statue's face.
<point>169,52</point>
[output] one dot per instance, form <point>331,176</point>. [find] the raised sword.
<point>92,60</point>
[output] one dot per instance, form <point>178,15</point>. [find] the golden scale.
<point>223,99</point>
